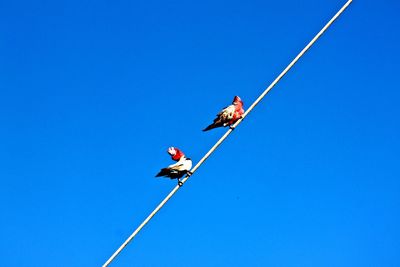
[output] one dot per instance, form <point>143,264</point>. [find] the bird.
<point>228,115</point>
<point>178,169</point>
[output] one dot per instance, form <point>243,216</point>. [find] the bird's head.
<point>176,153</point>
<point>237,101</point>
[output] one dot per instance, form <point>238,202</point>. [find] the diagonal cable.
<point>216,145</point>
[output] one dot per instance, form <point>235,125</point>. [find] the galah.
<point>228,115</point>
<point>178,169</point>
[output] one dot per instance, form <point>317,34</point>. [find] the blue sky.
<point>92,93</point>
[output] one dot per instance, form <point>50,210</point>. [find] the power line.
<point>216,145</point>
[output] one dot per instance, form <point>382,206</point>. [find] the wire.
<point>219,142</point>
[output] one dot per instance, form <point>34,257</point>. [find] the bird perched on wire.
<point>178,169</point>
<point>228,115</point>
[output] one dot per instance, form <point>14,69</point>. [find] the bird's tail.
<point>163,172</point>
<point>209,127</point>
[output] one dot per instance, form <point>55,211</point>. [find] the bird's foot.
<point>232,127</point>
<point>189,173</point>
<point>180,183</point>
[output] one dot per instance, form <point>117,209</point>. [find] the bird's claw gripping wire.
<point>188,174</point>
<point>180,183</point>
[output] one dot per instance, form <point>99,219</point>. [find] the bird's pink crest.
<point>172,151</point>
<point>237,100</point>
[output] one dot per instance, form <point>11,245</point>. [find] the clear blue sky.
<point>92,93</point>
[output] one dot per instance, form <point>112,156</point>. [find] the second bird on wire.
<point>226,117</point>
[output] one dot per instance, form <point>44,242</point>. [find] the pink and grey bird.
<point>178,169</point>
<point>228,115</point>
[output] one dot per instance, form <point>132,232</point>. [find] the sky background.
<point>92,93</point>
